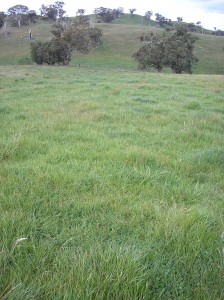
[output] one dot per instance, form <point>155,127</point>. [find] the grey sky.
<point>211,5</point>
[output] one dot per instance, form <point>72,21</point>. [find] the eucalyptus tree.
<point>132,10</point>
<point>53,11</point>
<point>78,36</point>
<point>171,49</point>
<point>148,15</point>
<point>179,50</point>
<point>151,54</point>
<point>17,12</point>
<point>80,12</point>
<point>107,15</point>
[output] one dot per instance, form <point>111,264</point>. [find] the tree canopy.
<point>77,36</point>
<point>53,11</point>
<point>148,15</point>
<point>161,20</point>
<point>172,49</point>
<point>179,50</point>
<point>151,54</point>
<point>107,14</point>
<point>80,12</point>
<point>17,12</point>
<point>132,10</point>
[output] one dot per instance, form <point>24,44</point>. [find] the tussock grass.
<point>115,179</point>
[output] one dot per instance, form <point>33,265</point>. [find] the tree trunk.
<point>5,29</point>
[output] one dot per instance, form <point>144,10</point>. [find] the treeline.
<point>17,16</point>
<point>218,32</point>
<point>21,15</point>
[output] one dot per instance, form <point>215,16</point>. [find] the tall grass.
<point>116,181</point>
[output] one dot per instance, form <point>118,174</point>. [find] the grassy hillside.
<point>116,181</point>
<point>134,20</point>
<point>120,41</point>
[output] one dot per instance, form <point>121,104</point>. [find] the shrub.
<point>55,51</point>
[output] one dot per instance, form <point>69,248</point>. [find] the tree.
<point>2,18</point>
<point>161,20</point>
<point>80,12</point>
<point>200,27</point>
<point>151,54</point>
<point>218,32</point>
<point>17,12</point>
<point>59,7</point>
<point>32,16</point>
<point>179,19</point>
<point>118,12</point>
<point>25,19</point>
<point>79,36</point>
<point>48,12</point>
<point>174,50</point>
<point>107,14</point>
<point>53,11</point>
<point>132,10</point>
<point>148,15</point>
<point>192,27</point>
<point>179,50</point>
<point>56,51</point>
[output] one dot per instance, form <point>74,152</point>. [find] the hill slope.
<point>120,41</point>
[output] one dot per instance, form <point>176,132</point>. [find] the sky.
<point>209,12</point>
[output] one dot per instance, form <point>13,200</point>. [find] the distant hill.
<point>120,40</point>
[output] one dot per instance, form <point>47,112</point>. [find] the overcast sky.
<point>209,12</point>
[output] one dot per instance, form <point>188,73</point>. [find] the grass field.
<point>111,179</point>
<point>115,179</point>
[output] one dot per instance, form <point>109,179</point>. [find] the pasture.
<point>114,178</point>
<point>119,43</point>
<point>111,179</point>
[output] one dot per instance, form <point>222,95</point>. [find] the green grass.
<point>120,41</point>
<point>134,20</point>
<point>115,177</point>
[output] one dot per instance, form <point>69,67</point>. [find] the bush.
<point>55,51</point>
<point>37,53</point>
